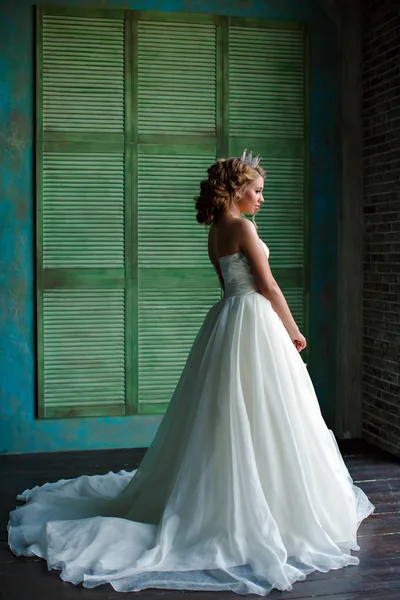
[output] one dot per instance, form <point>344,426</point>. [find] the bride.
<point>243,488</point>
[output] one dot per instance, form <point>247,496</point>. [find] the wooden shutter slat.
<point>82,340</point>
<point>84,332</point>
<point>83,210</point>
<point>168,324</point>
<point>177,96</point>
<point>167,229</point>
<point>279,68</point>
<point>281,221</point>
<point>99,44</point>
<point>183,56</point>
<point>295,298</point>
<point>271,121</point>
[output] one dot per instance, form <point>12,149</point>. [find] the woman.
<point>243,488</point>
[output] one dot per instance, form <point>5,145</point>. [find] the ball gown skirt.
<point>243,488</point>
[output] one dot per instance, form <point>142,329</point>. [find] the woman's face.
<point>252,197</point>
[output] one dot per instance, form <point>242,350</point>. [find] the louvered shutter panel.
<point>267,114</point>
<point>129,118</point>
<point>176,129</point>
<point>81,225</point>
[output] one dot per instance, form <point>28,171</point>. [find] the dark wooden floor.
<point>377,576</point>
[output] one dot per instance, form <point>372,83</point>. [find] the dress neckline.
<point>241,253</point>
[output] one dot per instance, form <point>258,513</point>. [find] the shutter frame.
<point>66,280</point>
<point>164,274</point>
<point>135,144</point>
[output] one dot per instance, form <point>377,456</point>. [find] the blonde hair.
<point>218,193</point>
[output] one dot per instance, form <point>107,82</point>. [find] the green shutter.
<point>268,115</point>
<point>81,202</point>
<point>177,112</point>
<point>131,110</point>
<point>176,78</point>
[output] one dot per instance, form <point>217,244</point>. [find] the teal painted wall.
<point>19,430</point>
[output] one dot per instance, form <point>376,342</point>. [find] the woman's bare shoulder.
<point>245,229</point>
<point>238,224</point>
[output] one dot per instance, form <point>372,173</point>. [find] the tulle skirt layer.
<point>243,488</point>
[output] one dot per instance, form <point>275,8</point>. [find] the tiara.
<point>249,160</point>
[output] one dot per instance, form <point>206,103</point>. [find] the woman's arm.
<point>250,245</point>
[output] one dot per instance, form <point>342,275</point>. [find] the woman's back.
<point>237,274</point>
<point>223,238</point>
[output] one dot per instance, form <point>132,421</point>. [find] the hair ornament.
<point>249,160</point>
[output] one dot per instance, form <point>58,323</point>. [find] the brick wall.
<point>381,164</point>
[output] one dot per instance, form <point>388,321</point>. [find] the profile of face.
<point>251,198</point>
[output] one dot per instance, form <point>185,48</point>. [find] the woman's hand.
<point>299,341</point>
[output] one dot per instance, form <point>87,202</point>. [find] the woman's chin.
<point>251,211</point>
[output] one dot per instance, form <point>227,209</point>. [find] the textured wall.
<point>19,430</point>
<point>381,298</point>
<point>349,343</point>
<point>346,16</point>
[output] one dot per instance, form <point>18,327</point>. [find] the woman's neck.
<point>234,212</point>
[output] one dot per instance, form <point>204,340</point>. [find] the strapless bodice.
<point>237,275</point>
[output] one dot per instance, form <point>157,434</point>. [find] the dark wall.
<point>381,161</point>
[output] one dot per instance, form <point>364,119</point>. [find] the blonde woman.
<point>243,488</point>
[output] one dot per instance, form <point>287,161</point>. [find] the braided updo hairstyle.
<point>227,178</point>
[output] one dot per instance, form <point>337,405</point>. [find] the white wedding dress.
<point>243,488</point>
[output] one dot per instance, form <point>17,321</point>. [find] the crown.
<point>249,160</point>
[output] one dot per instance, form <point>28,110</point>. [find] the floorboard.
<point>377,577</point>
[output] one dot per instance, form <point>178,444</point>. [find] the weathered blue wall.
<point>19,430</point>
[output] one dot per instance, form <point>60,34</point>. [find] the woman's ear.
<point>237,192</point>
